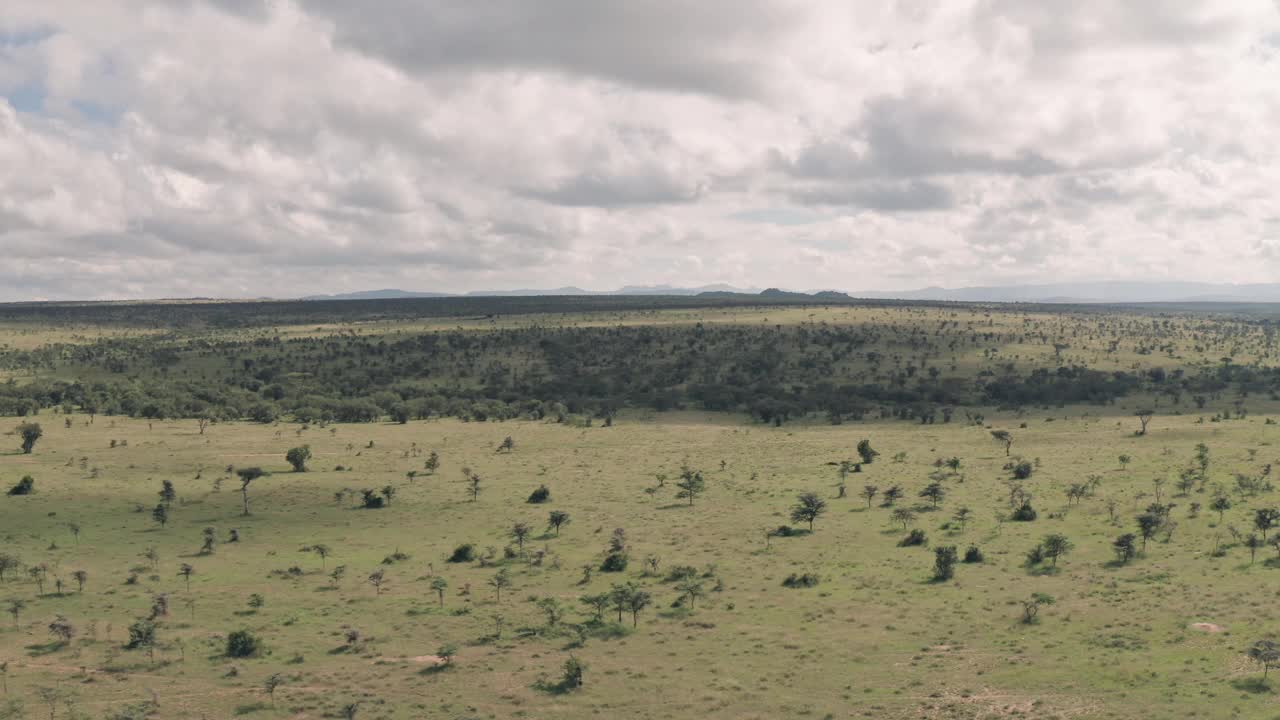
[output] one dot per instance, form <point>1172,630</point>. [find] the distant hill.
<point>1085,292</point>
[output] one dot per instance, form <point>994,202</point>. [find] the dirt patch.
<point>1207,627</point>
<point>428,659</point>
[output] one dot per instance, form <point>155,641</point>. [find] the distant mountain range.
<point>1083,292</point>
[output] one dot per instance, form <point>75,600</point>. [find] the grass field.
<point>875,638</point>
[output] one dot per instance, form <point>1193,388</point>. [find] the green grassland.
<point>1163,635</point>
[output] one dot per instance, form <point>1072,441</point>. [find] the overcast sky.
<point>243,148</point>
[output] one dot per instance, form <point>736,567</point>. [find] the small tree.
<point>520,532</point>
<point>598,604</point>
<point>1144,416</point>
<point>298,457</point>
<point>934,492</point>
<point>807,508</point>
<point>447,653</point>
<point>167,493</point>
<point>892,495</point>
<point>1124,461</point>
<point>30,433</point>
<point>1055,546</point>
<point>1005,437</point>
<point>8,562</point>
<point>247,476</point>
<point>80,576</point>
<point>637,600</point>
<point>243,644</point>
<point>1253,542</point>
<point>691,484</point>
<point>439,584</point>
<point>1220,504</point>
<point>1266,653</point>
<point>1264,519</point>
<point>473,486</point>
<point>324,551</point>
<point>962,516</point>
<point>507,445</point>
<point>1031,607</point>
<point>160,514</point>
<point>15,608</point>
<point>944,562</point>
<point>557,519</point>
<point>186,571</point>
<point>1125,547</point>
<point>1148,524</point>
<point>906,516</point>
<point>270,685</point>
<point>432,463</point>
<point>571,675</point>
<point>499,581</point>
<point>377,579</point>
<point>869,493</point>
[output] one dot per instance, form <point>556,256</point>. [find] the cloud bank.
<point>241,148</point>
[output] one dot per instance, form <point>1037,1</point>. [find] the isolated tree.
<point>1125,547</point>
<point>1220,504</point>
<point>869,493</point>
<point>1148,524</point>
<point>1266,653</point>
<point>432,463</point>
<point>16,605</point>
<point>30,433</point>
<point>80,576</point>
<point>520,532</point>
<point>553,609</point>
<point>507,445</point>
<point>167,493</point>
<point>571,674</point>
<point>935,492</point>
<point>377,579</point>
<point>1144,416</point>
<point>247,476</point>
<point>142,636</point>
<point>807,508</point>
<point>1031,606</point>
<point>691,484</point>
<point>865,452</point>
<point>944,562</point>
<point>1253,542</point>
<point>906,516</point>
<point>499,581</point>
<point>1055,546</point>
<point>962,516</point>
<point>270,685</point>
<point>1003,436</point>
<point>8,562</point>
<point>473,486</point>
<point>1124,460</point>
<point>160,514</point>
<point>1264,519</point>
<point>186,571</point>
<point>388,492</point>
<point>557,519</point>
<point>324,551</point>
<point>690,591</point>
<point>298,457</point>
<point>439,584</point>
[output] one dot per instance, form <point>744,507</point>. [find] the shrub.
<point>614,562</point>
<point>681,572</point>
<point>463,553</point>
<point>371,500</point>
<point>243,644</point>
<point>806,580</point>
<point>915,537</point>
<point>25,486</point>
<point>541,495</point>
<point>1022,470</point>
<point>1024,513</point>
<point>973,555</point>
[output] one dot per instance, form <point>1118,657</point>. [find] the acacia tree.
<point>1148,524</point>
<point>1266,653</point>
<point>167,493</point>
<point>8,562</point>
<point>1003,436</point>
<point>865,452</point>
<point>298,457</point>
<point>1220,504</point>
<point>519,532</point>
<point>1031,606</point>
<point>324,551</point>
<point>1125,547</point>
<point>160,514</point>
<point>637,600</point>
<point>1264,519</point>
<point>1144,416</point>
<point>935,492</point>
<point>869,493</point>
<point>377,579</point>
<point>557,519</point>
<point>186,571</point>
<point>807,508</point>
<point>80,576</point>
<point>905,516</point>
<point>439,584</point>
<point>247,476</point>
<point>1055,546</point>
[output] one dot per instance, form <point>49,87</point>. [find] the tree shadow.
<point>1255,685</point>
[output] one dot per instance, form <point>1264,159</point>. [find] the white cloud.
<point>269,147</point>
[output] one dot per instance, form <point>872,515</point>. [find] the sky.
<point>246,148</point>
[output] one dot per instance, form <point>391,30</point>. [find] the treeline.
<point>775,373</point>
